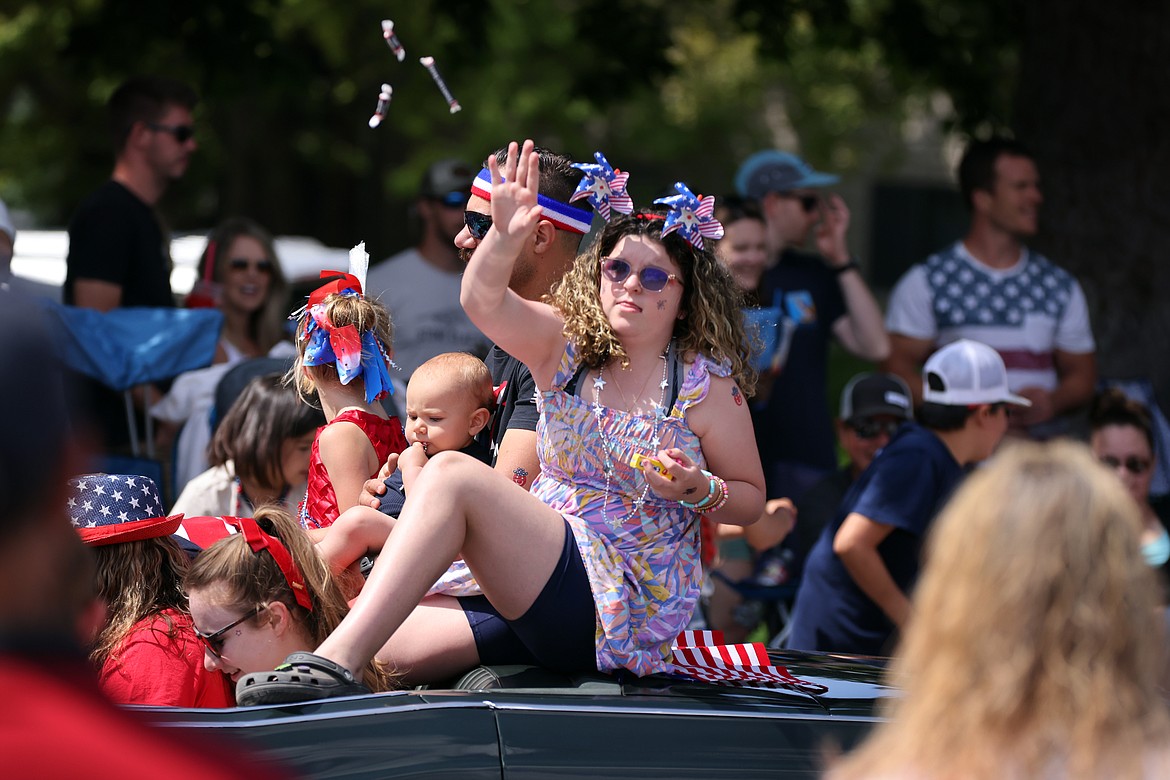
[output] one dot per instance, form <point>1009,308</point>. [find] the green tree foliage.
<point>669,90</point>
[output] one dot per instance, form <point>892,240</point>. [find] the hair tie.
<point>258,540</point>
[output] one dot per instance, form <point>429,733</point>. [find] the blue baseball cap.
<point>775,171</point>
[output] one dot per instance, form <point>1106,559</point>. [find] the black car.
<point>521,722</point>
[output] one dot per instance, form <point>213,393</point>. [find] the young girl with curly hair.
<point>639,359</point>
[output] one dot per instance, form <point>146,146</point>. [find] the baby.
<point>448,401</point>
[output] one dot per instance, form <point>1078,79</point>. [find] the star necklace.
<point>607,447</point>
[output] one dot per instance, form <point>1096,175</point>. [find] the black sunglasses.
<point>243,264</point>
<point>807,202</point>
<point>213,642</point>
<point>651,277</point>
<point>182,133</point>
<point>871,429</point>
<point>477,223</point>
<point>1133,464</point>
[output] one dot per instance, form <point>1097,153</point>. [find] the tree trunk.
<point>1094,106</point>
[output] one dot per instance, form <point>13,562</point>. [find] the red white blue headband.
<point>565,217</point>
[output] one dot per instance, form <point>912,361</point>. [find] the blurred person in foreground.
<point>1034,650</point>
<point>52,700</point>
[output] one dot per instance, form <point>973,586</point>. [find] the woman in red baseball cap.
<point>146,650</point>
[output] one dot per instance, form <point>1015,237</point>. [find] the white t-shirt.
<point>424,306</point>
<point>1025,312</point>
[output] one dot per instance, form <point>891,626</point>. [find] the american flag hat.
<point>117,508</point>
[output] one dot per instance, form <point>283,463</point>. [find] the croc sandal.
<point>302,677</point>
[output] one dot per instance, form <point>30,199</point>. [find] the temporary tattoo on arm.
<point>520,476</point>
<point>736,396</point>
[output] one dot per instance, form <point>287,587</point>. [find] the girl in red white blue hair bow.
<point>343,340</point>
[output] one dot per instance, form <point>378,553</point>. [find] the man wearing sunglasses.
<point>817,297</point>
<point>548,255</point>
<point>118,252</point>
<point>420,285</point>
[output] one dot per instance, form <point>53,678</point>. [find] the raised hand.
<point>515,211</point>
<point>830,233</point>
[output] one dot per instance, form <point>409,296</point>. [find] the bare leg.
<point>356,531</point>
<point>434,643</point>
<point>510,539</point>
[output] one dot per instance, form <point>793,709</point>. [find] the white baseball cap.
<point>966,372</point>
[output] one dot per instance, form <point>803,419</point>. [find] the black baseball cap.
<point>868,395</point>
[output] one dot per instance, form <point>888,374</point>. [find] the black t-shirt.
<point>793,423</point>
<point>115,237</point>
<point>515,401</point>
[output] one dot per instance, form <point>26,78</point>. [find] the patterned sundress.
<point>643,566</point>
<point>319,509</point>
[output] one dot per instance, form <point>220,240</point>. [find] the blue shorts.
<point>558,631</point>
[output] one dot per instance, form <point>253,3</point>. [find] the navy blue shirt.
<point>904,488</point>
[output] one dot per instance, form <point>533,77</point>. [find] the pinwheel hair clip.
<point>689,214</point>
<point>352,353</point>
<point>604,186</point>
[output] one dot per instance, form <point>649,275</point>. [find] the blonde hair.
<point>341,310</point>
<point>711,321</point>
<point>266,324</point>
<point>251,579</point>
<point>464,372</point>
<point>137,580</point>
<point>1034,645</point>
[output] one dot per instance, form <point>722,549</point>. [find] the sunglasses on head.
<point>243,264</point>
<point>181,133</point>
<point>1133,464</point>
<point>651,277</point>
<point>808,202</point>
<point>213,642</point>
<point>871,429</point>
<point>477,224</point>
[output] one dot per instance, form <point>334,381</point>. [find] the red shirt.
<point>161,662</point>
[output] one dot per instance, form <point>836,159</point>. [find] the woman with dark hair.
<point>1122,439</point>
<point>258,455</point>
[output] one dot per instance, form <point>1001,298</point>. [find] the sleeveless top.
<point>643,564</point>
<point>319,509</point>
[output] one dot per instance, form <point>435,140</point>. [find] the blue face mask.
<point>1157,552</point>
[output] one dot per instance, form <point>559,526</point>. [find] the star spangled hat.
<point>117,508</point>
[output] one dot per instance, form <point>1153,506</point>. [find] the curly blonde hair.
<point>711,306</point>
<point>1035,646</point>
<point>357,310</point>
<point>137,580</point>
<point>252,579</point>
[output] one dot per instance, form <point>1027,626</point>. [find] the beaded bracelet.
<point>724,495</point>
<point>706,500</point>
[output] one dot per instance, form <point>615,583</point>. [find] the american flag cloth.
<point>702,655</point>
<point>112,499</point>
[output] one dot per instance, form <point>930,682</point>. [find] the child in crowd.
<point>259,454</point>
<point>263,593</point>
<point>146,650</point>
<point>448,401</point>
<point>343,347</point>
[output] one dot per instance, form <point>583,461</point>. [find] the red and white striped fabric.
<point>703,656</point>
<point>204,531</point>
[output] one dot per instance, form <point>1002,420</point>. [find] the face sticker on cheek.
<point>661,305</point>
<point>736,396</point>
